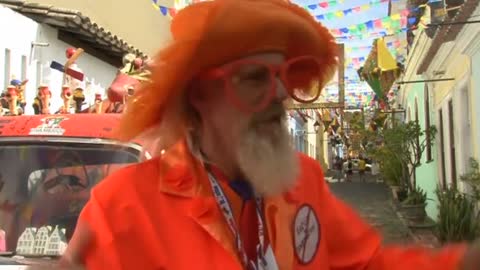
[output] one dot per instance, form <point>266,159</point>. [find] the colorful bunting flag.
<point>389,24</point>
<point>341,13</point>
<point>165,11</point>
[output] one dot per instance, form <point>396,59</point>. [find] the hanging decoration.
<point>350,11</point>
<point>326,119</point>
<point>391,45</point>
<point>387,24</point>
<point>165,11</point>
<point>335,124</point>
<point>334,3</point>
<point>380,70</point>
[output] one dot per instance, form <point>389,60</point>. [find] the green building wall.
<point>426,173</point>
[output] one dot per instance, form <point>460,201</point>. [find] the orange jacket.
<point>143,221</point>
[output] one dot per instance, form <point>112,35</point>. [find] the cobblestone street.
<point>373,202</point>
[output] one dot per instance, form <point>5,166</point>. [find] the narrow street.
<point>373,202</point>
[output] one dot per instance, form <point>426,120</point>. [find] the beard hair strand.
<point>269,162</point>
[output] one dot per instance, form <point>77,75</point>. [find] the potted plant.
<point>407,142</point>
<point>413,207</point>
<point>400,153</point>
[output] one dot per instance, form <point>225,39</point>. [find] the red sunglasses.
<point>252,84</point>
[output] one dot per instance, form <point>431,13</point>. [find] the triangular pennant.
<point>326,124</point>
<point>164,10</point>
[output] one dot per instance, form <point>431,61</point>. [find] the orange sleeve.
<point>353,244</point>
<point>100,252</point>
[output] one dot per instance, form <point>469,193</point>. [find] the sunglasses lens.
<point>251,85</point>
<point>303,79</point>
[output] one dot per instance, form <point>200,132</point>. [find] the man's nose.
<point>281,92</point>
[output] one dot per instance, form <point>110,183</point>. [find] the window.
<point>453,164</point>
<point>24,67</point>
<point>442,149</point>
<point>55,179</point>
<point>428,148</point>
<point>7,63</point>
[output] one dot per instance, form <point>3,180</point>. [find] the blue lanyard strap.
<point>227,211</point>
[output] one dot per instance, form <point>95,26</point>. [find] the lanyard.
<point>228,214</point>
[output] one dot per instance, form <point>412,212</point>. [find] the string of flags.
<point>350,11</point>
<point>165,11</point>
<point>392,44</point>
<point>170,11</point>
<point>334,3</point>
<point>391,23</point>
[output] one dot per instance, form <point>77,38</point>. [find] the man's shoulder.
<point>127,179</point>
<point>311,180</point>
<point>310,166</point>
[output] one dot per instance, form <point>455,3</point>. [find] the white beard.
<point>269,162</point>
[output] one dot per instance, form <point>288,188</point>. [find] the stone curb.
<point>404,221</point>
<point>416,238</point>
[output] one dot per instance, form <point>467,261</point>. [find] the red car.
<point>48,165</point>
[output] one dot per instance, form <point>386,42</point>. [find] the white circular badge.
<point>306,234</point>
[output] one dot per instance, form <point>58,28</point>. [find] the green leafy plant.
<point>472,178</point>
<point>416,197</point>
<point>401,147</point>
<point>457,217</point>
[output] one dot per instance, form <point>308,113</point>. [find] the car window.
<point>49,184</point>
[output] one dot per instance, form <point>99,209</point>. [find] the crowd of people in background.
<point>345,167</point>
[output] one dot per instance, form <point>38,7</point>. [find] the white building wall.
<point>18,41</point>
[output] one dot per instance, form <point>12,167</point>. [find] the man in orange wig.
<point>226,190</point>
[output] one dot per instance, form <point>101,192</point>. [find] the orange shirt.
<point>154,216</point>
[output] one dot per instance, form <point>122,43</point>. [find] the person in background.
<point>348,166</point>
<point>228,191</point>
<point>338,169</point>
<point>362,165</point>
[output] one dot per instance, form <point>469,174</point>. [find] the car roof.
<point>60,125</point>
